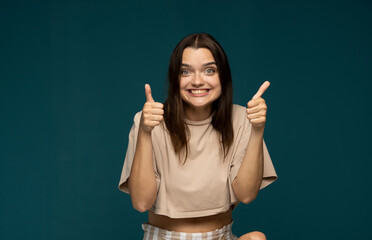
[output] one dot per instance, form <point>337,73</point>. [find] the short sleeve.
<point>132,141</point>
<point>269,173</point>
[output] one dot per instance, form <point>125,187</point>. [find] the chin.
<point>199,105</point>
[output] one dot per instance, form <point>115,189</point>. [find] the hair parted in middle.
<point>174,116</point>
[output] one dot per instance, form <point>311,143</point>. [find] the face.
<point>199,79</point>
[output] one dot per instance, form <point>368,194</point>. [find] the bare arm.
<point>247,183</point>
<point>248,180</point>
<point>142,181</point>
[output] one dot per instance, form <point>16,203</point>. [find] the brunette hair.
<point>221,108</point>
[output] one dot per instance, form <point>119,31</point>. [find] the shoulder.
<point>137,118</point>
<point>136,123</point>
<point>239,116</point>
<point>238,112</point>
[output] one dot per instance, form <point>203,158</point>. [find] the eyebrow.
<point>204,65</point>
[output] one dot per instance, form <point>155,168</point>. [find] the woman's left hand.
<point>256,111</point>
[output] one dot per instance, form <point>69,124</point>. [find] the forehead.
<point>197,56</point>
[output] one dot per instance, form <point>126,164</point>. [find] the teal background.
<point>72,78</point>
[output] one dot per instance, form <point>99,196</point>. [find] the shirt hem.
<point>191,214</point>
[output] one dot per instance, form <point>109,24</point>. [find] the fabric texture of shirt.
<point>203,185</point>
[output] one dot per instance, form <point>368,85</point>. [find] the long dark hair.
<point>222,107</point>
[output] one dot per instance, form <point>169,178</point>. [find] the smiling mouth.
<point>198,91</point>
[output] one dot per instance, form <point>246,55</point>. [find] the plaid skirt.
<point>155,233</point>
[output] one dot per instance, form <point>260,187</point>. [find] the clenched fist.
<point>152,112</point>
<point>256,111</point>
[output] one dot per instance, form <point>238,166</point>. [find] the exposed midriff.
<point>199,224</point>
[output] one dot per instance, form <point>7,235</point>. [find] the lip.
<point>201,94</point>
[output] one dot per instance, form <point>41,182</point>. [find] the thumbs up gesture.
<point>152,112</point>
<point>256,111</point>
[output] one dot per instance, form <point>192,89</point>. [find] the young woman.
<point>191,160</point>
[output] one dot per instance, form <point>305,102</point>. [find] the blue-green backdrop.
<point>72,78</point>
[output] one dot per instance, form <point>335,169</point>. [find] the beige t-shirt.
<point>203,185</point>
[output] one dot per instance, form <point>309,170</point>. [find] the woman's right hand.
<point>152,113</point>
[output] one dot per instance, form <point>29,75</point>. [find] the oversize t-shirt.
<point>203,185</point>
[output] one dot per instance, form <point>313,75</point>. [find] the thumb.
<point>262,89</point>
<point>148,93</point>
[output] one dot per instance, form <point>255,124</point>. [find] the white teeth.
<point>198,91</point>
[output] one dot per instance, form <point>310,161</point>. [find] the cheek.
<point>183,83</point>
<point>216,83</point>
<point>218,93</point>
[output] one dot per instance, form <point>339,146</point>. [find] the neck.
<point>198,114</point>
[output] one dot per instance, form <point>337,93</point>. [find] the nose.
<point>197,80</point>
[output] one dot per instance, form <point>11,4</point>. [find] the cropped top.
<point>203,185</point>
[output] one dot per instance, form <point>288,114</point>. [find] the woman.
<point>190,161</point>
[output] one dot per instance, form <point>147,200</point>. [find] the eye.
<point>210,71</point>
<point>185,72</point>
